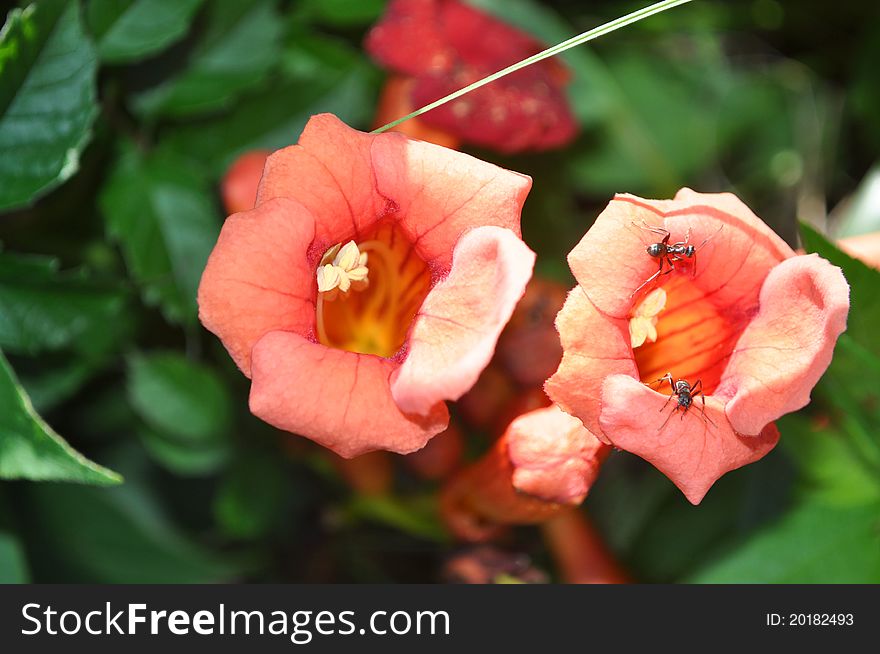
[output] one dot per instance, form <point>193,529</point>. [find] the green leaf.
<point>179,398</point>
<point>814,543</point>
<point>49,384</point>
<point>160,211</point>
<point>185,458</point>
<point>251,497</point>
<point>639,148</point>
<point>678,537</point>
<point>850,386</point>
<point>47,99</point>
<point>119,536</point>
<point>30,449</point>
<point>320,76</point>
<point>44,309</point>
<point>864,289</point>
<point>590,82</point>
<point>862,212</point>
<point>126,30</point>
<point>344,13</point>
<point>416,516</point>
<point>13,567</point>
<point>832,469</point>
<point>240,47</point>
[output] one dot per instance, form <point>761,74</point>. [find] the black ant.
<point>671,253</point>
<point>685,395</point>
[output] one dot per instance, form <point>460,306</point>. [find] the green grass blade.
<point>574,41</point>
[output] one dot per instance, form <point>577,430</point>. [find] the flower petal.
<point>338,399</point>
<point>441,193</point>
<point>788,345</point>
<point>865,247</point>
<point>523,111</point>
<point>428,36</point>
<point>692,452</point>
<point>454,334</point>
<point>553,456</point>
<point>735,249</point>
<point>594,346</point>
<point>239,184</point>
<point>330,173</point>
<point>396,102</point>
<point>410,39</point>
<point>257,278</point>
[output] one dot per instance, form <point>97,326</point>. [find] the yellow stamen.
<point>643,323</point>
<point>368,309</point>
<point>348,265</point>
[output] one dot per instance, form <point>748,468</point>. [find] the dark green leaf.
<point>850,386</point>
<point>240,47</point>
<point>679,537</point>
<point>640,149</point>
<point>178,397</point>
<point>814,543</point>
<point>47,99</point>
<point>251,497</point>
<point>862,212</point>
<point>44,309</point>
<point>160,211</point>
<point>126,30</point>
<point>50,385</point>
<point>320,76</point>
<point>864,289</point>
<point>416,516</point>
<point>831,468</point>
<point>118,536</point>
<point>13,567</point>
<point>30,449</point>
<point>344,12</point>
<point>183,457</point>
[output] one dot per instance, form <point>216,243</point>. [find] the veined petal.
<point>594,346</point>
<point>690,450</point>
<point>553,456</point>
<point>339,399</point>
<point>735,249</point>
<point>330,173</point>
<point>788,345</point>
<point>441,193</point>
<point>454,334</point>
<point>257,278</point>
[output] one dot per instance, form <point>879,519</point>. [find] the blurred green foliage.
<point>118,118</point>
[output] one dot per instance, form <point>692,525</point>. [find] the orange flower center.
<point>369,292</point>
<point>694,337</point>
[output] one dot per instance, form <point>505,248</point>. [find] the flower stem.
<point>574,41</point>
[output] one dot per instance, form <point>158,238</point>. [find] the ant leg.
<point>698,391</point>
<point>666,377</point>
<point>710,237</point>
<point>665,404</point>
<point>654,230</point>
<point>650,279</point>
<point>671,413</point>
<point>703,412</point>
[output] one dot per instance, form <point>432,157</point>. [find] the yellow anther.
<point>341,267</point>
<point>643,323</point>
